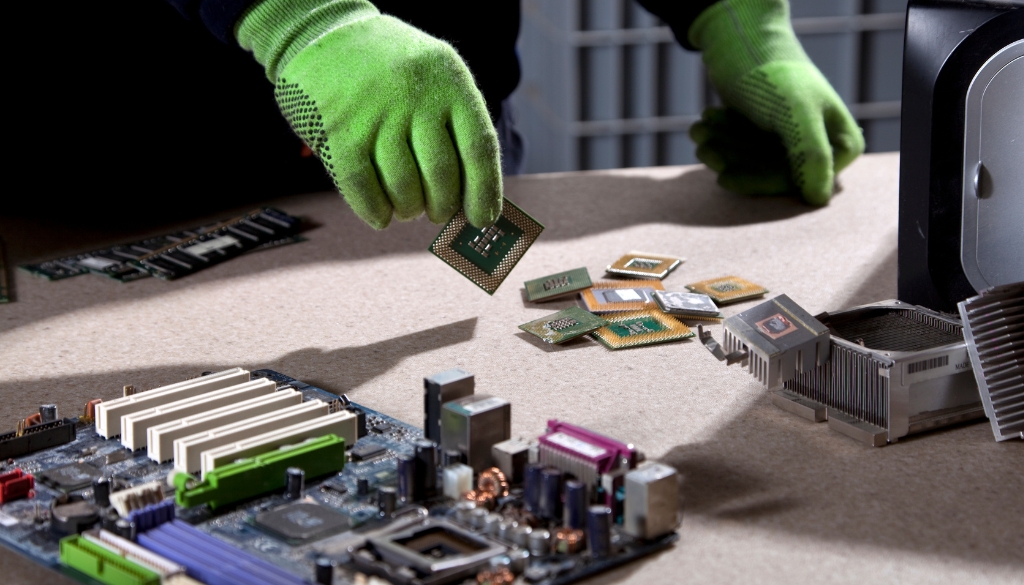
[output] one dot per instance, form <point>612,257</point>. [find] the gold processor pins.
<point>644,265</point>
<point>486,256</point>
<point>728,289</point>
<point>638,328</point>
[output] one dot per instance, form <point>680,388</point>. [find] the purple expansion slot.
<point>211,561</point>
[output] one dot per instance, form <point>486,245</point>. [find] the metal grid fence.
<point>605,85</point>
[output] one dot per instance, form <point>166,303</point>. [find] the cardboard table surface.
<point>767,497</point>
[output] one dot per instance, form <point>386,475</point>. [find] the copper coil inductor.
<point>493,481</point>
<point>569,540</point>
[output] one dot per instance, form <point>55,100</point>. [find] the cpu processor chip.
<point>486,256</point>
<point>609,297</point>
<point>564,325</point>
<point>728,289</point>
<point>637,328</point>
<point>644,265</point>
<point>688,306</point>
<point>557,285</point>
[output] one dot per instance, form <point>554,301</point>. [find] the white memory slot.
<point>108,414</point>
<point>160,438</point>
<point>342,424</point>
<point>133,552</point>
<point>188,450</point>
<point>134,426</point>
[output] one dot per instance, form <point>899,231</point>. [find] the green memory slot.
<point>262,474</point>
<point>104,565</point>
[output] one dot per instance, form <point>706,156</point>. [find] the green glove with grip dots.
<point>393,113</point>
<point>777,103</point>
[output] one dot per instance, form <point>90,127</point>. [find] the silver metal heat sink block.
<point>994,332</point>
<point>895,369</point>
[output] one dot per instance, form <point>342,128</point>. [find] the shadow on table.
<point>337,370</point>
<point>947,493</point>
<point>570,206</point>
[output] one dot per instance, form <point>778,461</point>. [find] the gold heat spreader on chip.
<point>607,297</point>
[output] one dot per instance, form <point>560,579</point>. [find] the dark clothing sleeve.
<point>218,16</point>
<point>678,15</point>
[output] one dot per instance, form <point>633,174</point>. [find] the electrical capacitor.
<point>532,487</point>
<point>550,504</point>
<point>47,413</point>
<point>387,500</point>
<point>576,504</point>
<point>426,468</point>
<point>407,478</point>
<point>324,571</point>
<point>539,543</point>
<point>294,483</point>
<point>599,531</point>
<point>101,492</point>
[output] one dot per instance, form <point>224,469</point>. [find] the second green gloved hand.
<point>392,112</point>
<point>759,68</point>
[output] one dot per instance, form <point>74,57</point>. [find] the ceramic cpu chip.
<point>607,297</point>
<point>643,265</point>
<point>564,325</point>
<point>728,289</point>
<point>688,305</point>
<point>557,285</point>
<point>486,256</point>
<point>638,328</point>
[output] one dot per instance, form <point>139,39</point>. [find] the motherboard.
<point>241,477</point>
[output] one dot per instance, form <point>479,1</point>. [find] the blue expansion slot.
<point>210,560</point>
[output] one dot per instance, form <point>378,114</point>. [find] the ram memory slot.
<point>262,474</point>
<point>188,450</point>
<point>160,438</point>
<point>341,423</point>
<point>225,241</point>
<point>134,426</point>
<point>212,561</point>
<point>108,414</point>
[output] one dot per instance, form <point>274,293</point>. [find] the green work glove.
<point>392,112</point>
<point>770,87</point>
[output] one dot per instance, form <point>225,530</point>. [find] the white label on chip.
<point>577,445</point>
<point>482,405</point>
<point>628,294</point>
<point>198,250</point>
<point>97,263</point>
<point>6,520</point>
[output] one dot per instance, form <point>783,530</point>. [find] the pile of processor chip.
<point>631,313</point>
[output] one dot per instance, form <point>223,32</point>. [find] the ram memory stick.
<point>262,229</point>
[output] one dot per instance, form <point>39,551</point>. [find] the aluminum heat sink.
<point>895,369</point>
<point>994,331</point>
